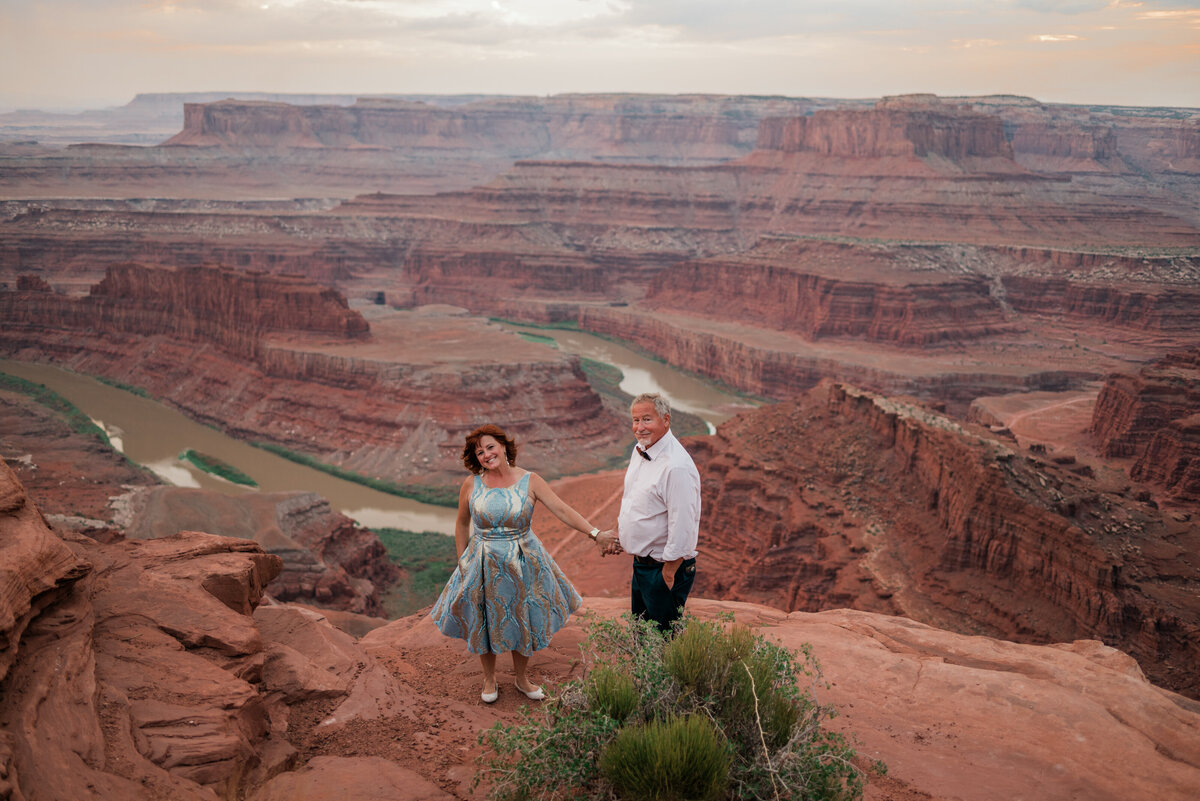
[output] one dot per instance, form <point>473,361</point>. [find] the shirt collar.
<point>657,448</point>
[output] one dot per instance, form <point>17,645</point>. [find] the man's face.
<point>648,426</point>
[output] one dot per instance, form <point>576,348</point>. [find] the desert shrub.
<point>611,693</point>
<point>754,695</point>
<point>672,760</point>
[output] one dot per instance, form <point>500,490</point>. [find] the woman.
<point>506,594</point>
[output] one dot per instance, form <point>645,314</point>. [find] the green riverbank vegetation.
<point>217,467</point>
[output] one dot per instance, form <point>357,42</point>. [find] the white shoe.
<point>490,698</point>
<point>536,694</point>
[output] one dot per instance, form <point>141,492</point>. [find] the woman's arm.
<point>557,506</point>
<point>462,524</point>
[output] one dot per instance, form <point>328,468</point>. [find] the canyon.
<point>971,325</point>
<point>281,360</point>
<point>161,668</point>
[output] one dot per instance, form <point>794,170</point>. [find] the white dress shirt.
<point>660,507</point>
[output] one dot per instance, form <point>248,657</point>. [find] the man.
<point>659,522</point>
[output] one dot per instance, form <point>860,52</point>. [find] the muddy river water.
<point>153,434</point>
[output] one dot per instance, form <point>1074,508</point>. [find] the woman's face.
<point>490,453</point>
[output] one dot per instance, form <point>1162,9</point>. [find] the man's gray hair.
<point>661,405</point>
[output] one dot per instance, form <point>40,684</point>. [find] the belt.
<point>646,560</point>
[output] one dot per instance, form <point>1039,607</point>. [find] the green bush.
<point>611,693</point>
<point>640,686</point>
<point>674,760</point>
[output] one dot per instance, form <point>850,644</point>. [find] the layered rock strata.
<point>327,559</point>
<point>848,498</point>
<point>395,404</point>
<point>158,669</point>
<point>1132,408</point>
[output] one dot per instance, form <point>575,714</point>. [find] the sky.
<point>77,54</point>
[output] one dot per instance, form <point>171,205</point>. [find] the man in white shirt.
<point>659,522</point>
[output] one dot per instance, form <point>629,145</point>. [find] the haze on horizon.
<point>86,54</point>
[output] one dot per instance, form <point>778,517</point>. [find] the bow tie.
<point>643,454</point>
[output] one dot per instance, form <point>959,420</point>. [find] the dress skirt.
<point>506,593</point>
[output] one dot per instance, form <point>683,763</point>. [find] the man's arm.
<point>682,493</point>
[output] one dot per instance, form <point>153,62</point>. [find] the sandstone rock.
<point>945,524</point>
<point>35,566</point>
<point>394,407</point>
<point>329,778</point>
<point>1131,408</point>
<point>327,558</point>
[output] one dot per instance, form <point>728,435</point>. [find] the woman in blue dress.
<point>506,593</point>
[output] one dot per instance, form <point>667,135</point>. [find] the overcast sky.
<point>71,54</point>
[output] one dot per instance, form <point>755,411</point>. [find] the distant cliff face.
<point>825,290</point>
<point>1152,416</point>
<point>847,498</point>
<point>229,308</point>
<point>658,128</point>
<point>942,131</point>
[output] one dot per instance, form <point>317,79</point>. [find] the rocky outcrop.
<point>1172,459</point>
<point>327,559</point>
<point>1131,409</point>
<point>886,506</point>
<point>160,670</point>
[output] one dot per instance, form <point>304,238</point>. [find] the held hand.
<point>607,542</point>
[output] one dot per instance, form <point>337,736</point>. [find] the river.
<point>153,434</point>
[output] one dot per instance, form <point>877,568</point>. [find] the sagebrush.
<point>715,711</point>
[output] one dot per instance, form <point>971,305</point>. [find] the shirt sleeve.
<point>682,493</point>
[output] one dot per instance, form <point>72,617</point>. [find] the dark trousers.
<point>650,597</point>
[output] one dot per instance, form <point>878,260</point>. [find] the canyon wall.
<point>843,497</point>
<point>889,306</point>
<point>1131,408</point>
<point>652,127</point>
<point>162,669</point>
<point>1152,416</point>
<point>764,364</point>
<point>1160,308</point>
<point>393,404</point>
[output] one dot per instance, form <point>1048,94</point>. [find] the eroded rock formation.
<point>328,560</point>
<point>158,669</point>
<point>1152,416</point>
<point>394,404</point>
<point>845,498</point>
<point>1131,408</point>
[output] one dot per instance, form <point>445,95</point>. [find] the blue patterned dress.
<point>506,594</point>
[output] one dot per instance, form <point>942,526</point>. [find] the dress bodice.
<point>502,512</point>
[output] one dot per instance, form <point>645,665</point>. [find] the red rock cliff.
<point>878,503</point>
<point>953,133</point>
<point>826,290</point>
<point>1131,409</point>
